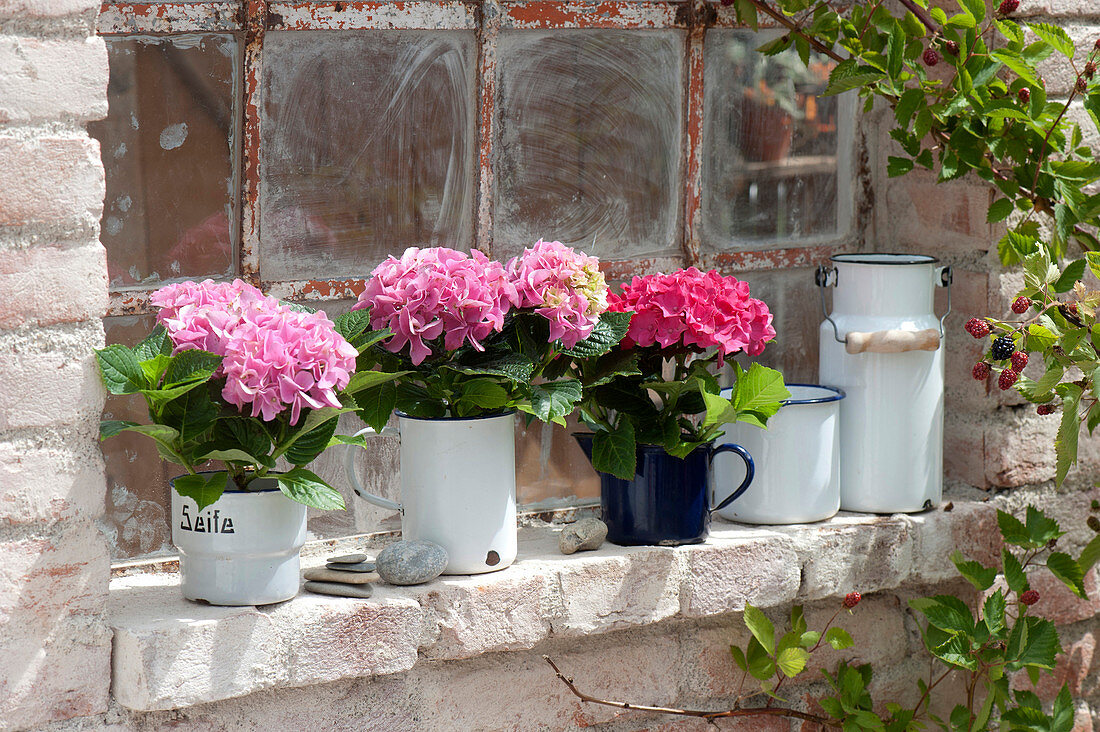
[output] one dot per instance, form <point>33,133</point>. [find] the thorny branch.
<point>709,716</point>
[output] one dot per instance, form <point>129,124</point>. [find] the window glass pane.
<point>167,146</point>
<point>770,144</point>
<point>551,469</point>
<point>368,148</point>
<point>590,141</point>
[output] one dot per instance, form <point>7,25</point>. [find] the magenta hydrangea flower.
<point>273,357</point>
<point>564,286</point>
<point>434,292</point>
<point>693,308</point>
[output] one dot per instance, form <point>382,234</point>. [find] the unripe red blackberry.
<point>1007,379</point>
<point>1081,86</point>
<point>931,57</point>
<point>1019,360</point>
<point>1003,348</point>
<point>951,47</point>
<point>1097,44</point>
<point>1030,597</point>
<point>1008,6</point>
<point>977,327</point>
<point>852,599</point>
<point>1045,409</point>
<point>1090,70</point>
<point>1020,305</point>
<point>980,371</point>
<point>1024,95</point>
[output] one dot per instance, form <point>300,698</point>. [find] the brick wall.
<point>54,641</point>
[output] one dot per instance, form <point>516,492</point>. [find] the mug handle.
<point>353,477</point>
<point>750,471</point>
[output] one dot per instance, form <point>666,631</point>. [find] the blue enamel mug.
<point>668,501</point>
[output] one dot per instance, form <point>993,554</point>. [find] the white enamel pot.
<point>458,487</point>
<point>797,468</point>
<point>882,344</point>
<point>243,549</point>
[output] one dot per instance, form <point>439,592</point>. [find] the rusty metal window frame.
<point>249,21</point>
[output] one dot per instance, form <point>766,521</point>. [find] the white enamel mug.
<point>797,461</point>
<point>458,487</point>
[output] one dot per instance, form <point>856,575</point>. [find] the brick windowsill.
<point>170,653</point>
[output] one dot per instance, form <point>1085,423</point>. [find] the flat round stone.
<point>339,589</point>
<point>324,574</point>
<point>411,562</point>
<point>348,559</point>
<point>367,566</point>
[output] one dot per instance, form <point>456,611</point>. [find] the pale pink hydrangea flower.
<point>693,308</point>
<point>564,286</point>
<point>274,357</point>
<point>434,292</point>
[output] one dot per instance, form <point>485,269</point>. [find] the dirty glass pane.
<point>368,148</point>
<point>168,149</point>
<point>770,144</point>
<point>551,469</point>
<point>589,140</point>
<point>136,519</point>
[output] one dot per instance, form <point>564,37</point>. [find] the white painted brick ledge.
<point>170,653</point>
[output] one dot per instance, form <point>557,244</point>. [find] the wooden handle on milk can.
<point>892,341</point>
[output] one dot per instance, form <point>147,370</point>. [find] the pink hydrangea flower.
<point>273,357</point>
<point>564,286</point>
<point>429,293</point>
<point>697,309</point>
<point>201,315</point>
<point>286,358</point>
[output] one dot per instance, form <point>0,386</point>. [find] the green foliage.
<point>191,425</point>
<point>627,400</point>
<point>985,642</point>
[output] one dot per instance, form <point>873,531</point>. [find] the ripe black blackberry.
<point>1003,348</point>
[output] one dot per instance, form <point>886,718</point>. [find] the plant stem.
<point>709,716</point>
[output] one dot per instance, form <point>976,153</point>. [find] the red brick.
<point>46,8</point>
<point>43,388</point>
<point>67,187</point>
<point>51,79</point>
<point>49,484</point>
<point>1058,604</point>
<point>48,285</point>
<point>55,647</point>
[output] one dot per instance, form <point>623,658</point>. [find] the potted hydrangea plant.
<point>474,342</point>
<point>655,405</point>
<point>232,375</point>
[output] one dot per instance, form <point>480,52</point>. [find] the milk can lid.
<point>883,258</point>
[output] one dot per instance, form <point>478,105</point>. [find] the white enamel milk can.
<point>458,487</point>
<point>797,467</point>
<point>883,345</point>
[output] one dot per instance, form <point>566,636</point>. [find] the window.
<point>295,144</point>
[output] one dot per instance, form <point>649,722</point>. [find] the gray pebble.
<point>323,574</point>
<point>411,562</point>
<point>348,559</point>
<point>338,589</point>
<point>360,567</point>
<point>583,535</point>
